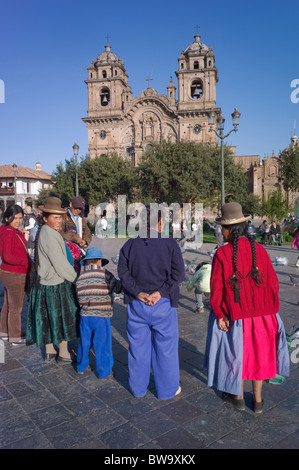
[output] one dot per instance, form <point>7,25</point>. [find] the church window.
<point>272,170</point>
<point>105,96</point>
<point>104,74</point>
<point>196,64</point>
<point>115,72</point>
<point>103,134</point>
<point>182,65</point>
<point>196,89</point>
<point>91,75</point>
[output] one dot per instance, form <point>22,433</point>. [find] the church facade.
<point>264,176</point>
<point>117,121</point>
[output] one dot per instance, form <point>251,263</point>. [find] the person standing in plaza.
<point>30,223</point>
<point>95,288</point>
<point>295,243</point>
<point>218,232</point>
<point>74,228</point>
<point>200,281</point>
<point>151,269</point>
<point>53,311</point>
<point>246,338</point>
<point>14,266</point>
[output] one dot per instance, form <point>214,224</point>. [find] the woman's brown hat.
<point>53,206</point>
<point>231,214</point>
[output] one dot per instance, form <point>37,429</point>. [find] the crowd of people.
<point>71,296</point>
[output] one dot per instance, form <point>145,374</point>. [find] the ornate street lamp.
<point>76,151</point>
<point>220,125</point>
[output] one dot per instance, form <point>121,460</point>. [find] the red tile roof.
<point>7,171</point>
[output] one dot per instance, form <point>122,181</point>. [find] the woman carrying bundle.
<point>53,308</point>
<point>246,337</point>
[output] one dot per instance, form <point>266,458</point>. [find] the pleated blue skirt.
<point>224,355</point>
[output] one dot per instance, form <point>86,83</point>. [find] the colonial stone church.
<point>128,125</point>
<point>117,121</point>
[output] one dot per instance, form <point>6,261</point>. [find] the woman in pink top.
<point>296,244</point>
<point>14,265</point>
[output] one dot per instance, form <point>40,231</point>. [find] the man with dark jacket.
<point>276,234</point>
<point>74,227</point>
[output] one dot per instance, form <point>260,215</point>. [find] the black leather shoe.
<point>50,357</point>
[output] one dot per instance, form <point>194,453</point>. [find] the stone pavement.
<point>48,406</point>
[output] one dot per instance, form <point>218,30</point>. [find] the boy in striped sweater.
<point>95,287</point>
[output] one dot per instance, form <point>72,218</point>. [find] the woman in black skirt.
<point>53,309</point>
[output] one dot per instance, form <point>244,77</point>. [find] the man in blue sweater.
<point>151,270</point>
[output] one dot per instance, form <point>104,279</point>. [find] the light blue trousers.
<point>96,332</point>
<point>153,336</point>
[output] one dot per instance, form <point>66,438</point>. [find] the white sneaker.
<point>178,391</point>
<point>200,310</point>
<point>19,343</point>
<point>297,264</point>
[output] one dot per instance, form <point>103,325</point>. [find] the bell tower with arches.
<point>197,78</point>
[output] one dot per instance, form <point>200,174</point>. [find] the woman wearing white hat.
<point>246,337</point>
<point>53,309</point>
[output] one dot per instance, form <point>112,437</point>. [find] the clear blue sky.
<point>47,45</point>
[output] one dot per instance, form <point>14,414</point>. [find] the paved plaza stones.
<point>49,406</point>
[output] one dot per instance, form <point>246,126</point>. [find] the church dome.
<point>107,56</point>
<point>197,47</point>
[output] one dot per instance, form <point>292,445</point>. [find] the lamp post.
<point>15,181</point>
<point>76,151</point>
<point>220,121</point>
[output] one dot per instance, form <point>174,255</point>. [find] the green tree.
<point>42,196</point>
<point>64,178</point>
<point>188,172</point>
<point>289,166</point>
<point>103,178</point>
<point>275,206</point>
<point>100,180</point>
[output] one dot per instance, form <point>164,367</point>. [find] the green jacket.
<point>201,279</point>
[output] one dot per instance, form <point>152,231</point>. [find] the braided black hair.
<point>240,230</point>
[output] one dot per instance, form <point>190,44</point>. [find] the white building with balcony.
<point>21,185</point>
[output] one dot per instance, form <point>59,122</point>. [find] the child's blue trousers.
<point>153,341</point>
<point>96,332</point>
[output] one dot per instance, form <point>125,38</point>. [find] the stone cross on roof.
<point>149,81</point>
